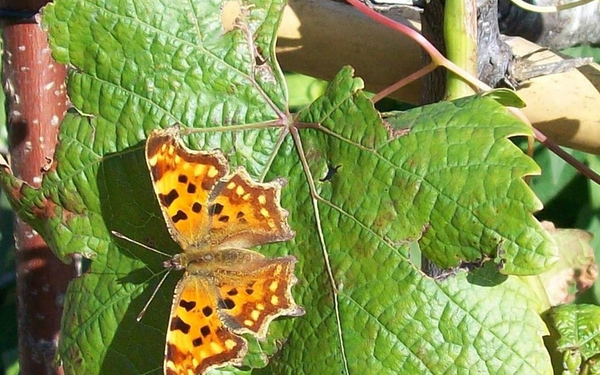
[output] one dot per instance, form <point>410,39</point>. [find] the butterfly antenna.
<point>123,237</point>
<point>160,283</point>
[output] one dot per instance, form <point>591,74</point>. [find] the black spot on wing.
<point>197,341</point>
<point>180,215</point>
<point>227,304</point>
<point>179,325</point>
<point>191,188</point>
<point>224,218</point>
<point>182,179</point>
<point>168,199</point>
<point>197,207</point>
<point>207,311</point>
<point>215,209</point>
<point>188,306</point>
<point>205,331</point>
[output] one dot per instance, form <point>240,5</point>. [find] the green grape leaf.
<point>361,192</point>
<point>436,173</point>
<point>385,315</point>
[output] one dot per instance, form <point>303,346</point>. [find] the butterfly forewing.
<point>244,213</point>
<point>183,180</point>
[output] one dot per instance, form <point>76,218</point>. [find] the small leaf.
<point>506,97</point>
<point>575,330</point>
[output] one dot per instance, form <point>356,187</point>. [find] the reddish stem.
<point>582,168</point>
<point>436,56</point>
<point>404,81</point>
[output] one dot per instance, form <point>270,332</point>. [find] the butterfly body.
<point>226,290</point>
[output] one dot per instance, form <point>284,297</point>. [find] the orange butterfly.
<point>226,290</point>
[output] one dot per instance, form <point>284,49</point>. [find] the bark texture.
<point>36,102</point>
<point>580,25</point>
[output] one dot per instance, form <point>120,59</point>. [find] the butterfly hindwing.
<point>256,294</point>
<point>197,339</point>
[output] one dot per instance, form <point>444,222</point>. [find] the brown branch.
<point>582,168</point>
<point>36,102</point>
